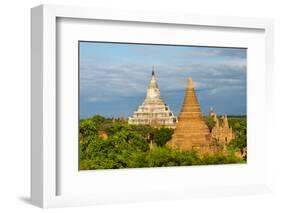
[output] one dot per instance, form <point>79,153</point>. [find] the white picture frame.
<point>44,154</point>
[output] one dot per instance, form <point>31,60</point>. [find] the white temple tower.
<point>153,111</point>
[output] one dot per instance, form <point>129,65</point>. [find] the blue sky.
<point>114,77</point>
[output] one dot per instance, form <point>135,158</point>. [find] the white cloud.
<point>100,82</point>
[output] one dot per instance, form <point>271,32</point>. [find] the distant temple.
<point>191,131</point>
<point>153,111</point>
<point>222,133</point>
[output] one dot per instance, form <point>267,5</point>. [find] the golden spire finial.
<point>190,83</point>
<point>225,121</point>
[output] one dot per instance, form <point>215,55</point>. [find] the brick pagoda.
<point>191,131</point>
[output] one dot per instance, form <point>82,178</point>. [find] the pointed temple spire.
<point>191,130</point>
<point>190,100</point>
<point>153,111</point>
<point>221,132</point>
<point>190,83</point>
<point>153,73</point>
<point>153,90</point>
<point>225,121</point>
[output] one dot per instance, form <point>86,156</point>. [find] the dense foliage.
<point>210,122</point>
<point>239,126</point>
<point>107,143</point>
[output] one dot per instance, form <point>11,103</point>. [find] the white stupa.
<point>153,111</point>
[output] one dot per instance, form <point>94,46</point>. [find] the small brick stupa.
<point>191,131</point>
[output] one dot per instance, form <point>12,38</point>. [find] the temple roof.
<point>190,83</point>
<point>190,100</point>
<point>153,111</point>
<point>191,129</point>
<point>153,90</point>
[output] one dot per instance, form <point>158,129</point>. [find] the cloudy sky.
<point>114,77</point>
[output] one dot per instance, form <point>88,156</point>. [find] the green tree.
<point>164,156</point>
<point>127,146</point>
<point>146,131</point>
<point>239,125</point>
<point>162,136</point>
<point>87,129</point>
<point>98,119</point>
<point>210,122</point>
